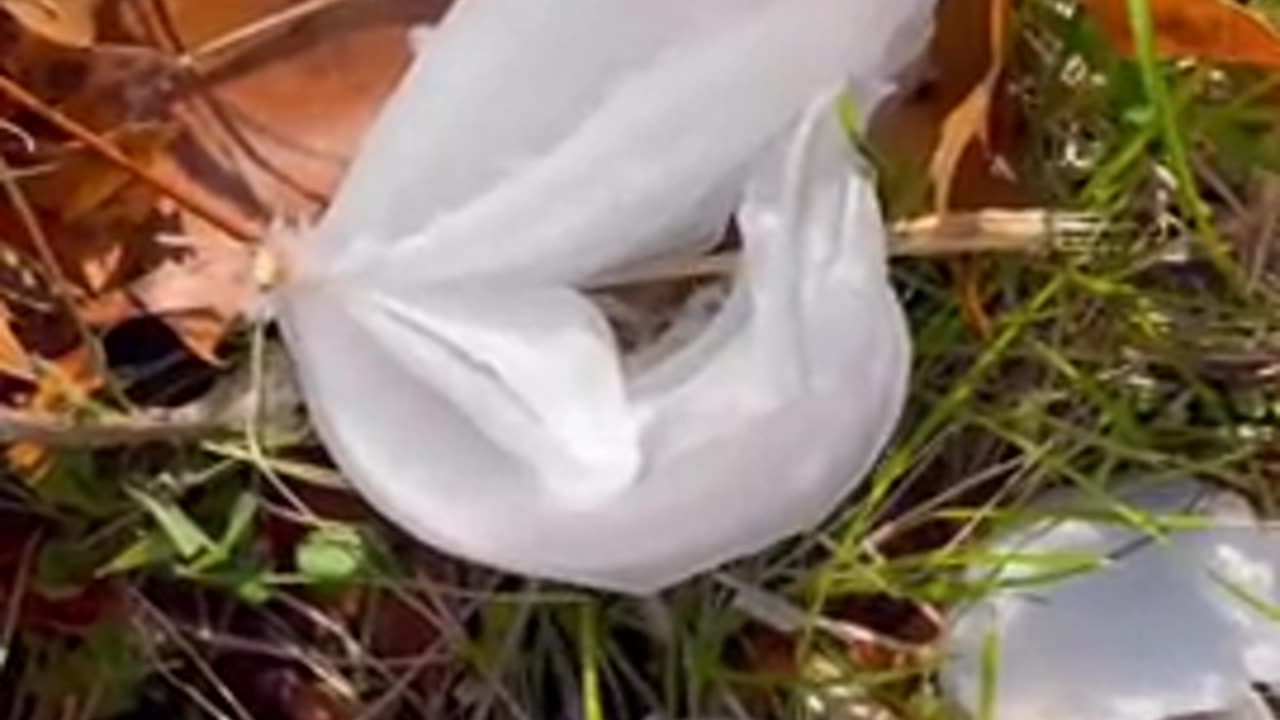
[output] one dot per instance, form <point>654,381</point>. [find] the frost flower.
<point>474,394</point>
<point>1168,625</point>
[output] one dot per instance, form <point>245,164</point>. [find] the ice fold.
<point>459,375</point>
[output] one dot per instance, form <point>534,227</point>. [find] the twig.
<point>932,236</point>
<point>992,231</point>
<point>253,424</point>
<point>136,429</point>
<point>193,694</point>
<point>781,615</point>
<point>1269,204</point>
<point>255,31</point>
<point>292,469</point>
<point>224,410</point>
<point>230,224</point>
<point>174,635</point>
<point>35,233</point>
<point>402,687</point>
<point>280,649</point>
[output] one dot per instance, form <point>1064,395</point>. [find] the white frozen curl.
<point>471,391</point>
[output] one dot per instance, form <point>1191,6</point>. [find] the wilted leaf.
<point>98,221</point>
<point>908,130</point>
<point>960,124</point>
<point>66,22</point>
<point>1213,30</point>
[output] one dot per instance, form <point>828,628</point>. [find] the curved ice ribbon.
<point>473,393</point>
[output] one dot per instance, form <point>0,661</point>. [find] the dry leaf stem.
<point>932,236</point>
<point>253,32</point>
<point>233,226</point>
<point>140,428</point>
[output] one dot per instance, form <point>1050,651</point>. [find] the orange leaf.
<point>205,286</point>
<point>60,389</point>
<point>65,22</point>
<point>280,152</point>
<point>969,121</point>
<point>14,359</point>
<point>204,291</point>
<point>967,88</point>
<point>1211,30</point>
<point>908,132</point>
<point>250,143</point>
<point>84,182</point>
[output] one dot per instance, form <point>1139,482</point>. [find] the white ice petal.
<point>534,369</point>
<point>500,83</point>
<point>729,466</point>
<point>476,398</point>
<point>1240,562</point>
<point>1151,635</point>
<point>644,174</point>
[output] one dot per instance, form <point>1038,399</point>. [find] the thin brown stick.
<point>991,230</point>
<point>255,31</point>
<point>62,287</point>
<point>167,629</point>
<point>61,432</point>
<point>932,236</point>
<point>232,225</point>
<point>280,649</point>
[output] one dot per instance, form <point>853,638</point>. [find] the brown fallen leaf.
<point>907,132</point>
<point>203,291</point>
<point>251,140</point>
<point>65,22</point>
<point>274,116</point>
<point>204,287</point>
<point>84,183</point>
<point>278,97</point>
<point>969,121</point>
<point>262,127</point>
<point>1213,30</point>
<point>966,133</point>
<point>957,125</point>
<point>104,222</point>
